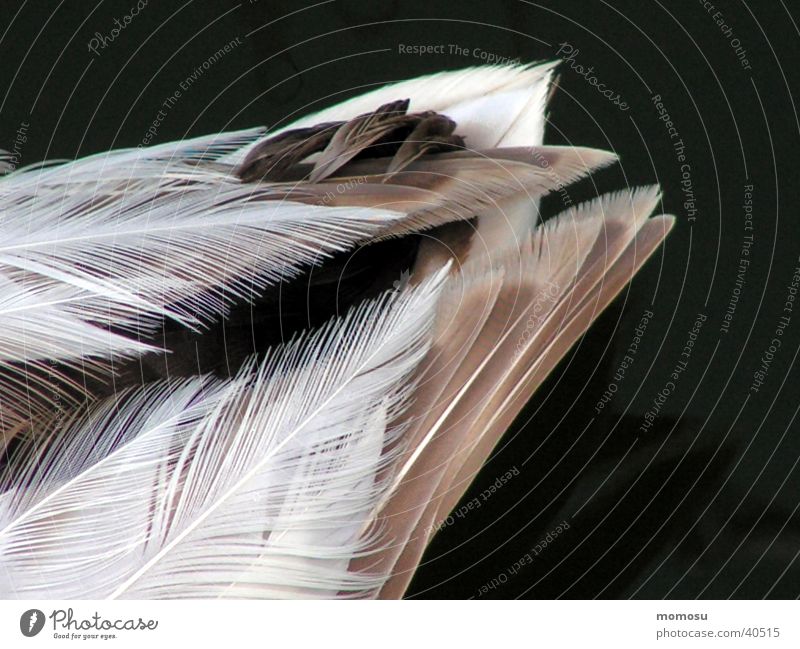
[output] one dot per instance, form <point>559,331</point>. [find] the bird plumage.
<point>320,466</point>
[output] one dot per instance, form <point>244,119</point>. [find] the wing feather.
<point>258,486</point>
<point>323,469</point>
<point>489,387</point>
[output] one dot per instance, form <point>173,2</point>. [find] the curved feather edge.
<point>254,487</point>
<point>82,282</point>
<point>453,89</point>
<point>466,436</point>
<point>128,165</point>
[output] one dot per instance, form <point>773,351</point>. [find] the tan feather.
<point>493,380</point>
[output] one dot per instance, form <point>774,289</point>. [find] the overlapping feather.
<point>322,469</point>
<point>257,486</point>
<point>96,253</point>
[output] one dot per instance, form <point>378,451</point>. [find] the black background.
<point>703,504</point>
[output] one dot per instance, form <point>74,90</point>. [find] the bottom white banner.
<point>353,625</point>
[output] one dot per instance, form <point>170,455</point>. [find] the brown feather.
<point>485,396</point>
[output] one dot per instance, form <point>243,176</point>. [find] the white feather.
<point>148,164</point>
<point>96,253</point>
<point>508,118</point>
<point>442,92</point>
<point>182,255</point>
<point>259,486</point>
<point>39,320</point>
